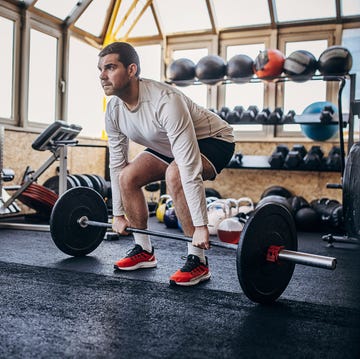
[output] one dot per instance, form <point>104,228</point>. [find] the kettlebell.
<point>160,211</point>
<point>170,218</point>
<point>217,212</point>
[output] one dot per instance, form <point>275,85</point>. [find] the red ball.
<point>269,63</point>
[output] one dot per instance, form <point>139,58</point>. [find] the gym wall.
<point>234,183</point>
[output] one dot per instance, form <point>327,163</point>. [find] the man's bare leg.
<point>176,192</point>
<point>144,169</point>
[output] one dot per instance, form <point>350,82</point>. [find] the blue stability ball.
<point>319,131</point>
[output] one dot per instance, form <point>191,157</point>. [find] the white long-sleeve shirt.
<point>170,123</point>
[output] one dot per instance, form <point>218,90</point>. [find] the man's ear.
<point>132,69</point>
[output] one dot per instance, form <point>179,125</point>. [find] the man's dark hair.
<point>126,54</point>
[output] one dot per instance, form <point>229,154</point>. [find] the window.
<point>150,61</point>
<point>85,95</point>
<point>297,96</point>
<point>246,94</point>
<point>42,78</point>
<point>6,67</point>
<point>198,93</point>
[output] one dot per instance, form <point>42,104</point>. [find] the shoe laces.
<point>191,263</point>
<point>134,251</point>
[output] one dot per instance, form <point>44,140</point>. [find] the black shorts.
<point>217,152</point>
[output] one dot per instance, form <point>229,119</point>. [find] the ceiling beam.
<point>138,17</point>
<point>76,12</point>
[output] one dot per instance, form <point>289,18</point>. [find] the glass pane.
<point>350,7</point>
<point>183,16</point>
<point>92,19</point>
<point>85,95</point>
<point>290,10</point>
<point>42,77</point>
<point>146,25</point>
<point>311,91</point>
<point>230,13</point>
<point>198,93</point>
<point>6,67</point>
<point>150,61</point>
<point>247,94</point>
<point>60,9</point>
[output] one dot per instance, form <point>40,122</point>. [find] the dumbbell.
<point>236,160</point>
<point>289,117</point>
<point>223,112</point>
<point>313,159</point>
<point>327,114</point>
<point>333,160</point>
<point>249,115</point>
<point>263,115</point>
<point>276,115</point>
<point>234,116</point>
<point>295,157</point>
<point>277,158</point>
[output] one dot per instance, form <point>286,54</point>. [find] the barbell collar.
<point>311,260</point>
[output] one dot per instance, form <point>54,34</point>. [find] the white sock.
<point>143,240</point>
<point>196,251</point>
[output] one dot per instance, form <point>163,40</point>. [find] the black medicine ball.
<point>335,60</point>
<point>300,65</point>
<point>210,69</point>
<point>240,68</point>
<point>181,71</point>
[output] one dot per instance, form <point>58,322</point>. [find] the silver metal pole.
<point>84,222</point>
<point>307,259</point>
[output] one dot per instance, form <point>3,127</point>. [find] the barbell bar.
<point>274,254</point>
<point>265,256</point>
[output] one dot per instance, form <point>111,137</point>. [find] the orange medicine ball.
<point>269,63</point>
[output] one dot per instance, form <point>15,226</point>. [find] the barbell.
<point>265,256</point>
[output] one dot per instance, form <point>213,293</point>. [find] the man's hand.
<point>119,224</point>
<point>201,237</point>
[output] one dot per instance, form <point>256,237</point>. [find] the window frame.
<point>11,14</point>
<point>248,38</point>
<point>194,42</point>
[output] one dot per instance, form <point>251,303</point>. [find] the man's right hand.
<point>119,224</point>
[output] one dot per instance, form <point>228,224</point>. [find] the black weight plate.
<point>103,185</point>
<point>96,183</point>
<point>76,180</point>
<point>65,230</point>
<point>263,281</point>
<point>84,181</point>
<point>351,192</point>
<point>53,183</point>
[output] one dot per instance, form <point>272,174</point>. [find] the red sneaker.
<point>137,258</point>
<point>193,272</point>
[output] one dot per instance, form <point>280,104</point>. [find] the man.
<point>185,145</point>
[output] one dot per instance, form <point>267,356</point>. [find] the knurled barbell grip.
<point>84,222</point>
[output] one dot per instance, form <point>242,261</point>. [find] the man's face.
<point>114,76</point>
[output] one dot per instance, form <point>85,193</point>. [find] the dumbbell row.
<point>299,158</point>
<point>267,116</point>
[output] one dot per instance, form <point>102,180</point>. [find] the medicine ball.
<point>319,131</point>
<point>181,71</point>
<point>335,60</point>
<point>300,65</point>
<point>240,68</point>
<point>269,63</point>
<point>210,69</point>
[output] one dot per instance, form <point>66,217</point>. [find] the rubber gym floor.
<point>56,306</point>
